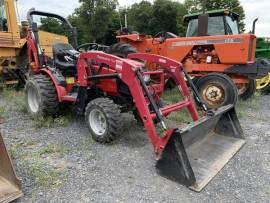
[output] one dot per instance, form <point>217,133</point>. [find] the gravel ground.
<point>84,171</point>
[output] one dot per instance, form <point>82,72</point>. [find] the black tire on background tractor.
<point>121,49</point>
<point>41,96</point>
<point>248,90</point>
<point>216,90</point>
<point>104,120</point>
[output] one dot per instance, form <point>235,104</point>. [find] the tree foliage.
<point>51,25</point>
<point>99,20</point>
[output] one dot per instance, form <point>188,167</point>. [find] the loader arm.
<point>192,155</point>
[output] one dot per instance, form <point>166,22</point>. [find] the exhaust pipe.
<point>254,25</point>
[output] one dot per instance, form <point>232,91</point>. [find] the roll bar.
<point>73,30</point>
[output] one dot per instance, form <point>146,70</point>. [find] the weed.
<point>43,174</point>
<point>55,149</point>
<point>50,122</point>
<point>37,167</point>
<point>253,103</point>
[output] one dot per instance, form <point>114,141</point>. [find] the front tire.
<point>41,96</point>
<point>216,90</point>
<point>104,120</point>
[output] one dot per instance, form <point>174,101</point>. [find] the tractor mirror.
<point>203,25</point>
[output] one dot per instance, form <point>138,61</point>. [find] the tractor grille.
<point>251,49</point>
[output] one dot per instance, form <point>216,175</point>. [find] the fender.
<point>61,91</point>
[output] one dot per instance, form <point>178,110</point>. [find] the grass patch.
<point>173,96</point>
<point>43,174</point>
<point>53,149</point>
<point>253,103</point>
<point>14,101</point>
<point>50,122</point>
<point>36,165</point>
<point>182,116</point>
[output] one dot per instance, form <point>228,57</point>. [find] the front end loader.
<point>103,86</point>
<point>10,185</point>
<point>213,45</point>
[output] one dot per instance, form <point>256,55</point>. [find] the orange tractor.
<point>213,52</point>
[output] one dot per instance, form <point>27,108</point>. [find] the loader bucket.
<point>10,185</point>
<point>194,155</point>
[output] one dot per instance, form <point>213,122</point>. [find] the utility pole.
<point>126,23</point>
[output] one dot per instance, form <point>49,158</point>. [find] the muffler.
<point>10,185</point>
<point>194,155</point>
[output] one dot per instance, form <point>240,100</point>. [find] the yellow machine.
<point>13,46</point>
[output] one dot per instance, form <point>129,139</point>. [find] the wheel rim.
<point>97,121</point>
<point>33,99</point>
<point>214,94</point>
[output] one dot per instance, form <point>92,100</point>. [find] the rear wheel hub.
<point>214,94</point>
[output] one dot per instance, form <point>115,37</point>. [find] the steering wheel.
<point>87,47</point>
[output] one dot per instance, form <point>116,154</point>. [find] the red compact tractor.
<point>103,86</point>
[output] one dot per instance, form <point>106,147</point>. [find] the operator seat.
<point>65,58</point>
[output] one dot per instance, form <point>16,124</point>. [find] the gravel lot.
<point>73,168</point>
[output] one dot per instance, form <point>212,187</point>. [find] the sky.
<point>253,9</point>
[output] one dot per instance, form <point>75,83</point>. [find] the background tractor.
<point>103,86</point>
<point>13,45</point>
<point>213,51</point>
<point>263,51</point>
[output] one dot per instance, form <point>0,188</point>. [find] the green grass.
<point>253,103</point>
<point>173,96</point>
<point>53,149</point>
<point>36,165</point>
<point>14,101</point>
<point>50,122</point>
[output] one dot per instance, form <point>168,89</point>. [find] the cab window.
<point>231,26</point>
<point>3,17</point>
<point>216,25</point>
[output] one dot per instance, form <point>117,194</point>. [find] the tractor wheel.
<point>121,49</point>
<point>216,90</point>
<point>41,96</point>
<point>104,120</point>
<point>246,91</point>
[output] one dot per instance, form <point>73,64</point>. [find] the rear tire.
<point>216,90</point>
<point>41,96</point>
<point>249,90</point>
<point>104,120</point>
<point>121,49</point>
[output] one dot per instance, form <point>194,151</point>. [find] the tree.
<point>139,15</point>
<point>94,18</point>
<point>232,5</point>
<point>51,25</point>
<point>162,15</point>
